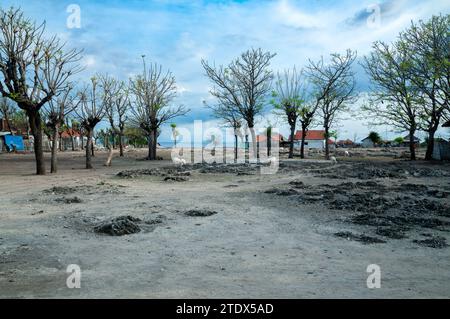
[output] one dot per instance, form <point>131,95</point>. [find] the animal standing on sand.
<point>179,161</point>
<point>333,160</point>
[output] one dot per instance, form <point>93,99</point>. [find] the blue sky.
<point>179,33</point>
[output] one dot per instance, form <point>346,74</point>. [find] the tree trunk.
<point>302,146</point>
<point>92,145</point>
<point>121,142</point>
<point>8,123</point>
<point>291,145</point>
<point>73,143</point>
<point>412,146</point>
<point>88,149</point>
<point>430,144</point>
<point>252,132</point>
<point>269,143</point>
<point>235,148</point>
<point>327,147</point>
<point>54,163</point>
<point>247,146</point>
<point>152,142</point>
<point>35,123</point>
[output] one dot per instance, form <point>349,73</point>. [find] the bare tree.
<point>117,103</point>
<point>153,92</point>
<point>7,110</point>
<point>243,85</point>
<point>55,112</point>
<point>34,69</point>
<point>90,112</point>
<point>427,46</point>
<point>231,118</point>
<point>290,101</point>
<point>394,99</point>
<point>334,84</point>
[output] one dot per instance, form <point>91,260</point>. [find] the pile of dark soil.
<point>361,238</point>
<point>391,232</point>
<point>176,179</point>
<point>102,188</point>
<point>61,190</point>
<point>200,213</point>
<point>433,242</point>
<point>69,200</point>
<point>238,169</point>
<point>164,171</point>
<point>119,226</point>
<point>393,210</point>
<point>373,170</point>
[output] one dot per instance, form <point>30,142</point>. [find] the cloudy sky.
<point>179,33</point>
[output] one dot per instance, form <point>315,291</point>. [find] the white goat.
<point>179,161</point>
<point>333,160</point>
<point>347,154</point>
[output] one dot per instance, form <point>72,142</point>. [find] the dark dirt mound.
<point>373,170</point>
<point>433,242</point>
<point>391,232</point>
<point>102,187</point>
<point>238,169</point>
<point>176,179</point>
<point>393,209</point>
<point>119,226</point>
<point>61,190</point>
<point>361,238</point>
<point>200,213</point>
<point>163,171</point>
<point>160,219</point>
<point>69,200</point>
<point>297,184</point>
<point>282,192</point>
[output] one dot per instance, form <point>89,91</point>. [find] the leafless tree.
<point>243,85</point>
<point>7,110</point>
<point>117,103</point>
<point>231,118</point>
<point>290,101</point>
<point>334,84</point>
<point>55,112</point>
<point>34,69</point>
<point>90,112</point>
<point>153,91</point>
<point>394,100</point>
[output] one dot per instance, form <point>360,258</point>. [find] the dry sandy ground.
<point>269,238</point>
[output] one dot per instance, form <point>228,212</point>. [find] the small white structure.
<point>314,139</point>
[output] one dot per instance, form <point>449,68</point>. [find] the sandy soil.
<point>310,231</point>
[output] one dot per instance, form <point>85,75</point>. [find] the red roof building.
<point>70,133</point>
<point>312,135</point>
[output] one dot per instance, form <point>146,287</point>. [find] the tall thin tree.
<point>153,92</point>
<point>244,85</point>
<point>334,84</point>
<point>33,70</point>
